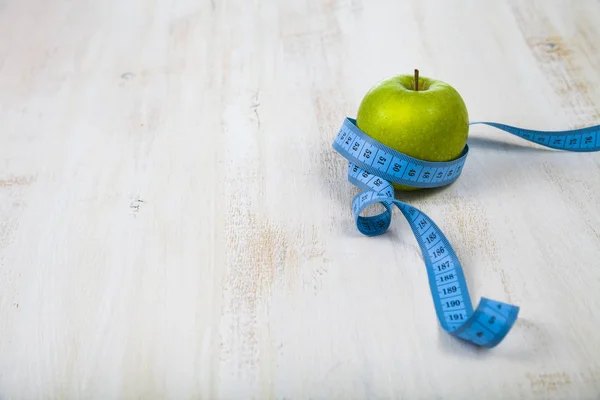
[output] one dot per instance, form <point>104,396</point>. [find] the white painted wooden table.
<point>175,224</point>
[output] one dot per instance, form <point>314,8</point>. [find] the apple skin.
<point>430,124</point>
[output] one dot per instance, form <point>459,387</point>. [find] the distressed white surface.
<point>175,224</point>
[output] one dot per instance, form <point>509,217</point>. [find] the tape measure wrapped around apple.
<point>421,117</point>
<point>411,133</point>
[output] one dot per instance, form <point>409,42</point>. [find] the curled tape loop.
<point>373,167</point>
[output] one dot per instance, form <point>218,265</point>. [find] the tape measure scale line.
<point>446,279</point>
<point>391,165</point>
<point>490,322</point>
<point>372,167</point>
<point>577,140</point>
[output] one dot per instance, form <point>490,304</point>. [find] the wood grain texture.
<point>175,224</point>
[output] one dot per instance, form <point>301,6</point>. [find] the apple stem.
<point>417,80</point>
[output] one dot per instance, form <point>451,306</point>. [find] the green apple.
<point>428,121</point>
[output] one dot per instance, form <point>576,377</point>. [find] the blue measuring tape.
<point>373,167</point>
